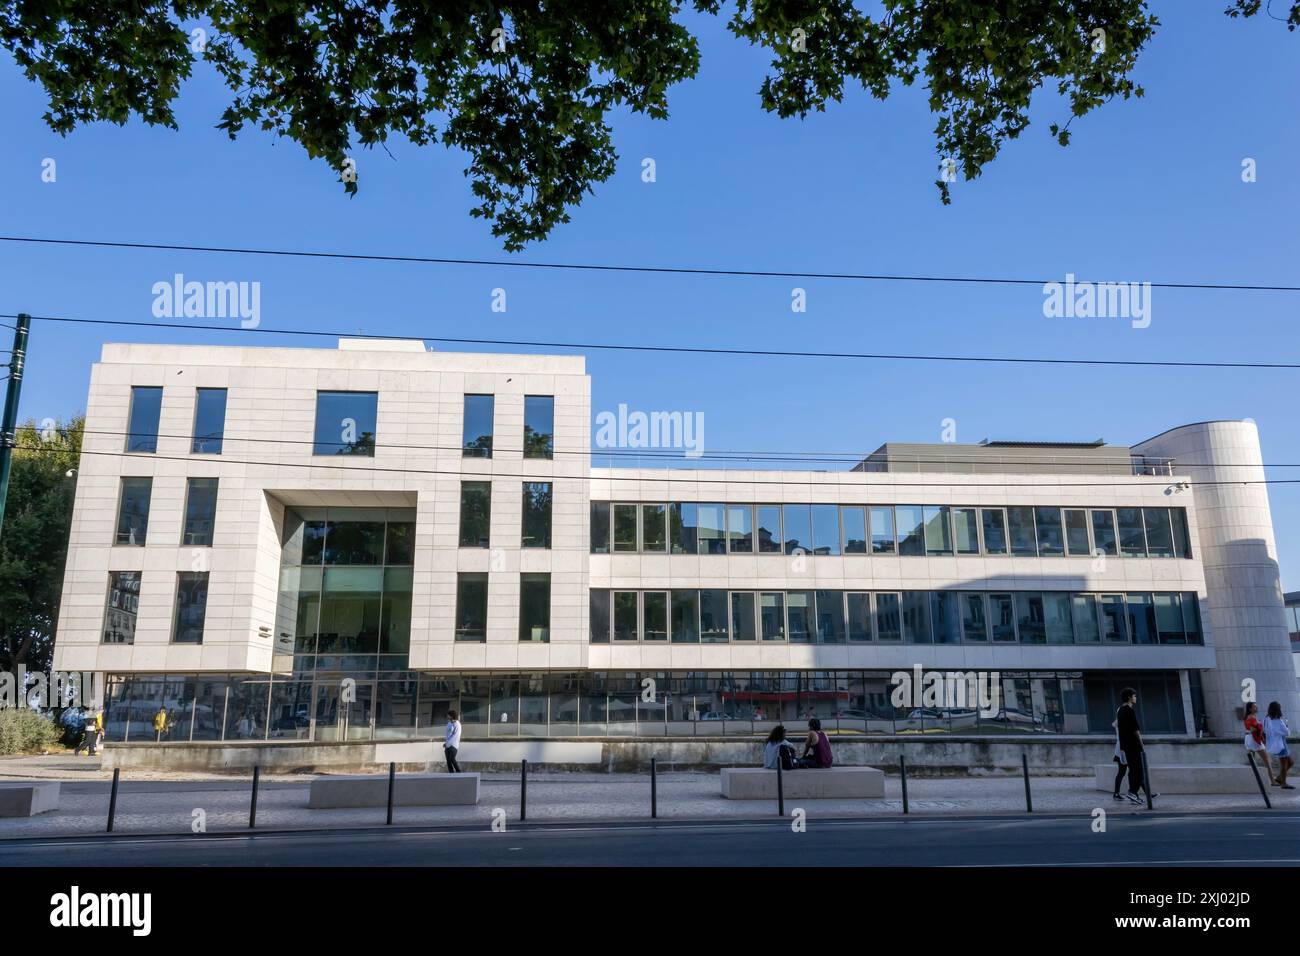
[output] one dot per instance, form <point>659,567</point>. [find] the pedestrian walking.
<point>451,741</point>
<point>1130,743</point>
<point>1254,739</point>
<point>1276,732</point>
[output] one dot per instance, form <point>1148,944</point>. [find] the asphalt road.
<point>1240,839</point>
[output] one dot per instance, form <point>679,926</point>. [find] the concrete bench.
<point>411,790</point>
<point>28,798</point>
<point>1190,778</point>
<point>756,783</point>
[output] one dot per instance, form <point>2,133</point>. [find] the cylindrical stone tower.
<point>1239,555</point>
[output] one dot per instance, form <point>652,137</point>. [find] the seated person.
<point>778,751</point>
<point>816,748</point>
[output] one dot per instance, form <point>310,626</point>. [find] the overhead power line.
<point>596,267</point>
<point>868,477</point>
<point>671,454</point>
<point>680,349</point>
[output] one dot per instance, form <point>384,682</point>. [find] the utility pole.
<point>9,426</point>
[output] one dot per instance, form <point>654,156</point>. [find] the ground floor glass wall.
<point>378,705</point>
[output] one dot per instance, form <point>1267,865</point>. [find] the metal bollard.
<point>112,799</point>
<point>523,791</point>
<point>780,791</point>
<point>392,780</point>
<point>902,769</point>
<point>654,790</point>
<point>1029,799</point>
<point>252,804</point>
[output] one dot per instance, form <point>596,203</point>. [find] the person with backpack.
<point>778,752</point>
<point>1276,732</point>
<point>816,748</point>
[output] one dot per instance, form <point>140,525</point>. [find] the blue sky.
<point>1148,190</point>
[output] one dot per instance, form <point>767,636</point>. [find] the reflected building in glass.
<point>343,544</point>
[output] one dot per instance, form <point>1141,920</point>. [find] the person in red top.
<point>1255,738</point>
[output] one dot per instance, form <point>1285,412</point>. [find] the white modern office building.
<point>341,544</point>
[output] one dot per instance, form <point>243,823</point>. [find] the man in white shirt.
<point>451,743</point>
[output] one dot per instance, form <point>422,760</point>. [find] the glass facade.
<point>406,704</point>
<point>346,423</point>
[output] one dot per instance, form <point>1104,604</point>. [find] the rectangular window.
<point>1086,623</point>
<point>686,617</point>
<point>683,522</point>
<point>916,617</point>
<point>938,534</point>
<point>625,616</point>
<point>122,607</point>
<point>858,620</point>
<point>133,511</point>
<point>600,616</point>
<point>797,520</point>
<point>853,519</point>
<point>713,616</point>
<point>1114,628</point>
<point>471,606</point>
<point>1020,528</point>
<point>943,612</point>
<point>600,527</point>
<point>712,529</point>
<point>740,529</point>
<point>1141,619</point>
<point>209,421</point>
<point>888,619</point>
<point>995,530</point>
<point>476,433</point>
<point>911,529</point>
<point>826,529</point>
<point>1169,618</point>
<point>536,523</point>
<point>475,513</point>
<point>830,617</point>
<point>539,426</point>
<point>654,528</point>
<point>346,423</point>
<point>1056,617</point>
<point>1029,614</point>
<point>1103,532</point>
<point>1051,539</point>
<point>743,616</point>
<point>771,611</point>
<point>965,527</point>
<point>799,616</point>
<point>142,419</point>
<point>624,528</point>
<point>1002,618</point>
<point>200,511</point>
<point>1160,540</point>
<point>882,530</point>
<point>769,529</point>
<point>399,544</point>
<point>1076,532</point>
<point>535,608</point>
<point>655,606</point>
<point>191,607</point>
<point>974,622</point>
<point>1132,538</point>
<point>1192,617</point>
<point>1182,538</point>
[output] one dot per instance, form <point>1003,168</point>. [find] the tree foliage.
<point>526,89</point>
<point>34,542</point>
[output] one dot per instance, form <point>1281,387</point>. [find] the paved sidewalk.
<point>167,803</point>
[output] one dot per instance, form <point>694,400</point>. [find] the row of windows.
<point>909,530</point>
<point>346,423</point>
<point>718,616</point>
<point>134,499</point>
<point>123,606</point>
<point>534,607</point>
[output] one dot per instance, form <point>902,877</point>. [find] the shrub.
<point>24,731</point>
